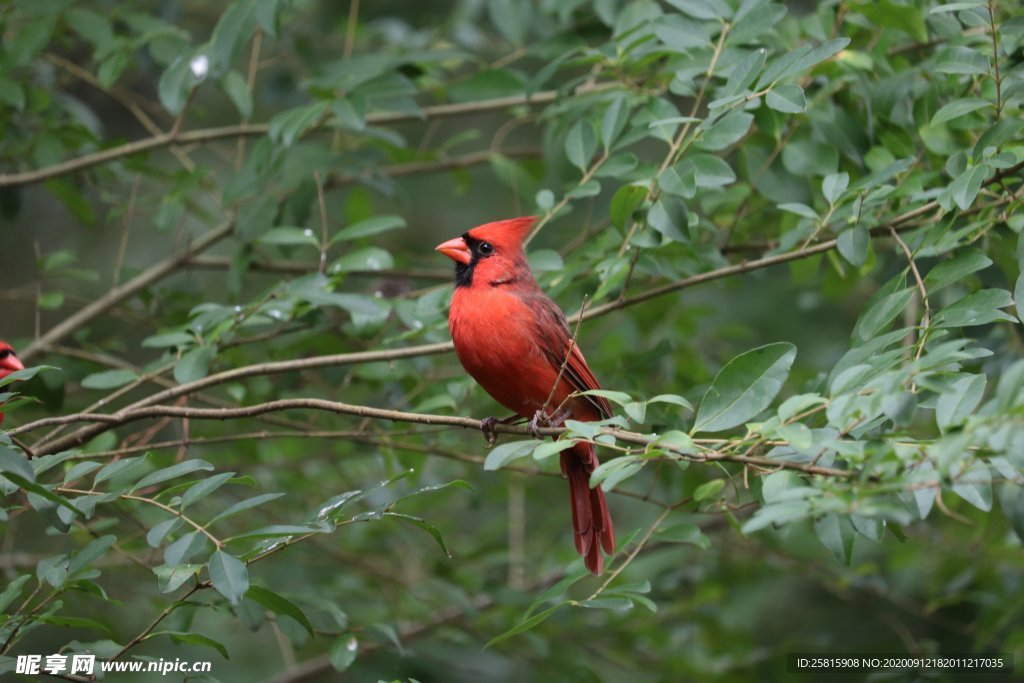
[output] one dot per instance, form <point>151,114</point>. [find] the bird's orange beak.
<point>456,249</point>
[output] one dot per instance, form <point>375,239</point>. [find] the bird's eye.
<point>486,248</point>
<point>4,353</point>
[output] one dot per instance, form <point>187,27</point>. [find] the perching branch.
<point>129,415</point>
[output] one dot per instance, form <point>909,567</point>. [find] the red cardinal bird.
<point>513,340</point>
<point>8,363</point>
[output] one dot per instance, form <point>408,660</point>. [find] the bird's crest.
<point>508,233</point>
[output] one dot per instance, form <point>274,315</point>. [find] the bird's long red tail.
<point>591,522</point>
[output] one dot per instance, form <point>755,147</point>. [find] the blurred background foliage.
<point>826,193</point>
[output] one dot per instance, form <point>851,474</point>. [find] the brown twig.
<point>251,130</point>
<point>119,293</point>
<point>135,414</point>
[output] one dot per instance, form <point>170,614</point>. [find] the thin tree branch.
<point>119,293</point>
<point>129,415</point>
<point>246,129</point>
<point>303,268</point>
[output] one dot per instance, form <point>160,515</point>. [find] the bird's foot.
<point>487,427</point>
<point>538,420</point>
<point>488,424</point>
<point>541,419</point>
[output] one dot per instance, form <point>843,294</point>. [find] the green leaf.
<point>343,652</point>
<point>580,144</point>
<point>625,202</point>
<point>967,185</point>
<point>837,534</point>
<point>545,261</point>
<point>881,313</point>
<point>502,455</point>
<point>956,404</point>
<point>744,387</point>
<point>204,487</point>
<point>232,31</point>
<point>156,535</point>
<point>367,258</point>
<point>788,98</point>
<point>229,576</point>
<point>800,210</point>
<point>24,375</point>
<point>678,441</point>
<point>168,340</point>
<point>176,470</point>
<point>958,108</point>
<point>288,126</point>
<point>671,398</point>
<point>955,269</point>
<point>726,131</point>
<point>1018,296</point>
<point>549,448</point>
<point>109,379</point>
<point>13,462</point>
<point>975,485</point>
<point>278,531</point>
<point>422,524</point>
<point>744,73</point>
<point>680,180</point>
<point>684,532</point>
<point>834,185</point>
<point>961,60</point>
<point>708,489</point>
<point>616,116</point>
<point>712,171</point>
<point>703,9</point>
<point>290,237</point>
<point>853,244</point>
<point>12,591</point>
<point>120,468</point>
<point>779,514</point>
<point>526,625</point>
<point>279,605</point>
<point>981,308</point>
<point>680,34</point>
<point>94,550</point>
<point>243,505</point>
<point>668,216</point>
<point>175,83</point>
<point>612,472</point>
<point>799,60</point>
<point>370,226</point>
<point>192,639</point>
<point>237,90</point>
<point>195,364</point>
<point>958,6</point>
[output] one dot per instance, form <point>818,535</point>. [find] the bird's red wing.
<point>553,330</point>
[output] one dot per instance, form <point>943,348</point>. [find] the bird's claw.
<point>487,427</point>
<point>538,420</point>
